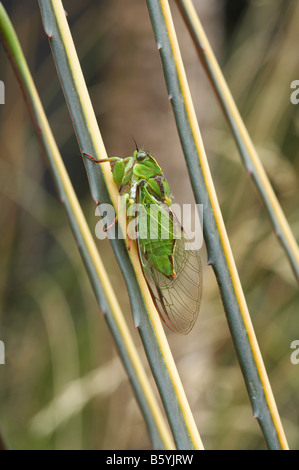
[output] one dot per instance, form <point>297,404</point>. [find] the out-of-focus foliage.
<point>62,385</point>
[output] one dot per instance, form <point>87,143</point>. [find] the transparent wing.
<point>177,299</point>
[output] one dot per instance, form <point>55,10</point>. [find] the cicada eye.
<point>140,156</point>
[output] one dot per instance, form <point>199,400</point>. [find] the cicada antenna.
<point>135,144</point>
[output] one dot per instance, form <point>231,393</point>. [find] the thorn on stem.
<point>249,170</point>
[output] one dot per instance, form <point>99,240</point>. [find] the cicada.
<point>172,270</point>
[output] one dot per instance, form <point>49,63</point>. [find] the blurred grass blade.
<point>103,189</point>
<point>219,251</point>
<point>246,148</point>
<point>106,298</point>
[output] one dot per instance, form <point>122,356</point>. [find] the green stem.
<point>103,189</point>
<point>219,252</point>
<point>246,148</point>
<point>103,291</point>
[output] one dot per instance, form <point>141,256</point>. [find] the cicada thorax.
<point>159,188</point>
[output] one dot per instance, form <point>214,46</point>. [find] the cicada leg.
<point>111,225</point>
<point>112,159</point>
<point>122,207</point>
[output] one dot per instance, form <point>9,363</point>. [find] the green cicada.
<point>173,273</point>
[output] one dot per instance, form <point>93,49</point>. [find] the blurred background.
<point>63,386</point>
